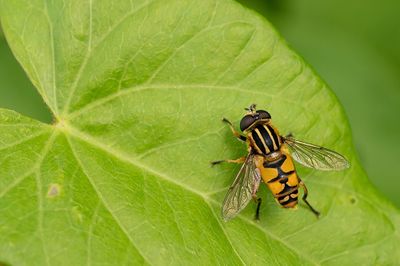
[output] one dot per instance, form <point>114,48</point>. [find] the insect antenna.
<point>251,108</point>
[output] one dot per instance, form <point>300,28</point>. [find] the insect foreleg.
<point>240,160</point>
<point>288,136</point>
<point>301,183</point>
<point>234,131</point>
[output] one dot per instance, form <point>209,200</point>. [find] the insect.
<point>269,160</point>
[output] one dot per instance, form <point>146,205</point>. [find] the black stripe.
<point>286,189</point>
<point>288,201</point>
<point>281,173</point>
<point>267,137</point>
<point>282,199</point>
<point>258,141</point>
<point>283,179</point>
<point>273,133</point>
<point>275,179</point>
<point>290,195</point>
<point>277,163</point>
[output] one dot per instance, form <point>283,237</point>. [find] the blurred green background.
<point>354,45</point>
<point>16,91</point>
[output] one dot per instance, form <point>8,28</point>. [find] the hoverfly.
<point>269,160</point>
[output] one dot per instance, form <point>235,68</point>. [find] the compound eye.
<point>263,114</point>
<point>246,122</point>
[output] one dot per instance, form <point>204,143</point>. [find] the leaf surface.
<point>123,176</point>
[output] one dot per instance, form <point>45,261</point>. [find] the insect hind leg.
<point>254,194</point>
<point>234,131</point>
<point>257,215</point>
<point>301,183</point>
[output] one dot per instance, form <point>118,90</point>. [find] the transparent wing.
<point>314,156</point>
<point>240,192</point>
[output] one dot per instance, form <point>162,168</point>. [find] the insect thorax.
<point>264,139</point>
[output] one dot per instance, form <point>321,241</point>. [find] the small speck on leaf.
<point>353,200</point>
<point>54,191</point>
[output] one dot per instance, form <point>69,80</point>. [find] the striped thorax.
<point>264,138</point>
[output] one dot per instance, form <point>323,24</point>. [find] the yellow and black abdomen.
<point>265,139</point>
<point>281,178</point>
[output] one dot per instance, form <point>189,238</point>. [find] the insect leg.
<point>257,215</point>
<point>254,194</point>
<point>301,183</point>
<point>234,131</point>
<point>290,135</point>
<point>240,160</point>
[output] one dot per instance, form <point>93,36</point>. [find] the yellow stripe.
<point>262,140</point>
<point>277,134</point>
<point>254,143</point>
<point>271,137</point>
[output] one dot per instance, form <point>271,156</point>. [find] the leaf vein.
<point>89,52</point>
<point>22,140</point>
<point>39,185</point>
<point>90,233</point>
<point>176,50</point>
<point>225,233</point>
<point>349,251</point>
<point>167,145</point>
<point>117,221</point>
<point>245,46</point>
<point>18,180</point>
<point>134,89</point>
<point>263,63</point>
<point>53,56</point>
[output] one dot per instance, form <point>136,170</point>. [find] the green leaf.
<point>123,177</point>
